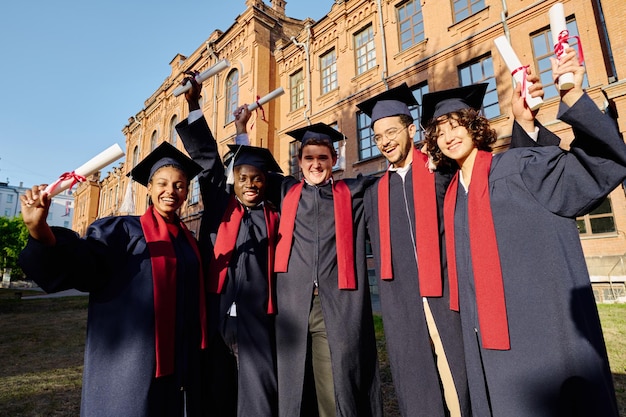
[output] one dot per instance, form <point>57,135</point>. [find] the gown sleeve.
<point>86,264</point>
<point>572,183</point>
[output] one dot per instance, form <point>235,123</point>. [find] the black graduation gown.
<point>557,364</point>
<point>251,389</point>
<point>413,367</point>
<point>112,263</point>
<point>347,313</point>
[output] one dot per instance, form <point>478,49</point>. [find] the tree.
<point>13,238</point>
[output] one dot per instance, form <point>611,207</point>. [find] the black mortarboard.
<point>256,156</point>
<point>393,102</point>
<point>164,154</point>
<point>318,131</point>
<point>443,102</point>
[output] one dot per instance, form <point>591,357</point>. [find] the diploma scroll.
<point>203,76</point>
<point>518,71</point>
<point>95,164</point>
<point>270,96</point>
<point>559,31</point>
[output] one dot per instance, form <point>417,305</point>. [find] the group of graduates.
<point>486,302</point>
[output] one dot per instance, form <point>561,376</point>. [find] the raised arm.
<point>35,205</point>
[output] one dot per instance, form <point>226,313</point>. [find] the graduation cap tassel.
<point>230,170</point>
<point>128,205</point>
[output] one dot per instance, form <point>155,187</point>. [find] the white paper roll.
<point>517,70</point>
<point>203,76</point>
<point>557,26</point>
<point>95,164</point>
<point>270,96</point>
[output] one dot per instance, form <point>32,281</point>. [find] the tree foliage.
<point>13,238</point>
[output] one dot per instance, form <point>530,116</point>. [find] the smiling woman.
<point>528,316</point>
<point>147,331</point>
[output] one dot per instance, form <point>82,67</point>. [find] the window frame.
<point>472,78</point>
<point>296,90</point>
<point>328,73</point>
<point>231,93</point>
<point>471,7</point>
<point>418,35</point>
<point>364,50</point>
<point>588,219</point>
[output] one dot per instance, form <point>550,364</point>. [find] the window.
<point>367,145</point>
<point>153,140</point>
<point>466,8</point>
<point>410,23</point>
<point>364,50</point>
<point>294,165</point>
<point>328,71</point>
<point>232,95</point>
<point>194,193</point>
<point>7,212</point>
<point>416,111</point>
<point>296,90</point>
<point>135,156</point>
<point>599,221</point>
<point>9,198</point>
<point>481,71</point>
<point>543,50</point>
<point>173,133</point>
<point>66,224</point>
<point>340,149</point>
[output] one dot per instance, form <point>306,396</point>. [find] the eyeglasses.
<point>390,134</point>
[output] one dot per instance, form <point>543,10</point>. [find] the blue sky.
<point>74,71</point>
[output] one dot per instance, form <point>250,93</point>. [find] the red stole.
<point>163,260</point>
<point>226,241</point>
<point>426,228</point>
<point>490,300</point>
<point>344,233</point>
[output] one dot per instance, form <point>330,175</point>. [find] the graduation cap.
<point>256,156</point>
<point>393,102</point>
<point>443,102</point>
<point>318,131</point>
<point>164,154</point>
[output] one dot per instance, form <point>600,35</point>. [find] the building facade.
<point>61,211</point>
<point>361,48</point>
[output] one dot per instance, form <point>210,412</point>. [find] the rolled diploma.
<point>513,63</point>
<point>558,25</point>
<point>203,76</point>
<point>95,164</point>
<point>270,96</point>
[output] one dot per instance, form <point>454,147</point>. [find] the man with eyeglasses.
<point>402,212</point>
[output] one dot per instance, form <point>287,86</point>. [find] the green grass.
<point>41,350</point>
<point>42,342</point>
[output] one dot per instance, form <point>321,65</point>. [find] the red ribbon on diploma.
<point>525,74</point>
<point>257,110</point>
<point>559,48</point>
<point>67,176</point>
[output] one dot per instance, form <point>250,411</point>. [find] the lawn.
<point>42,341</point>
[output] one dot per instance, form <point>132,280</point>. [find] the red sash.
<point>490,301</point>
<point>163,261</point>
<point>226,241</point>
<point>426,228</point>
<point>344,233</point>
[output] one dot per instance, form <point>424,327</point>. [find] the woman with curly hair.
<point>531,333</point>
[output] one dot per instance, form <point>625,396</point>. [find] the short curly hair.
<point>483,135</point>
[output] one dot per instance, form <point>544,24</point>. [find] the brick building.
<point>361,48</point>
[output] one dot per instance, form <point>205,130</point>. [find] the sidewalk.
<point>66,293</point>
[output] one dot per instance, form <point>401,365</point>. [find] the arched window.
<point>153,140</point>
<point>135,156</point>
<point>232,95</point>
<point>173,134</point>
